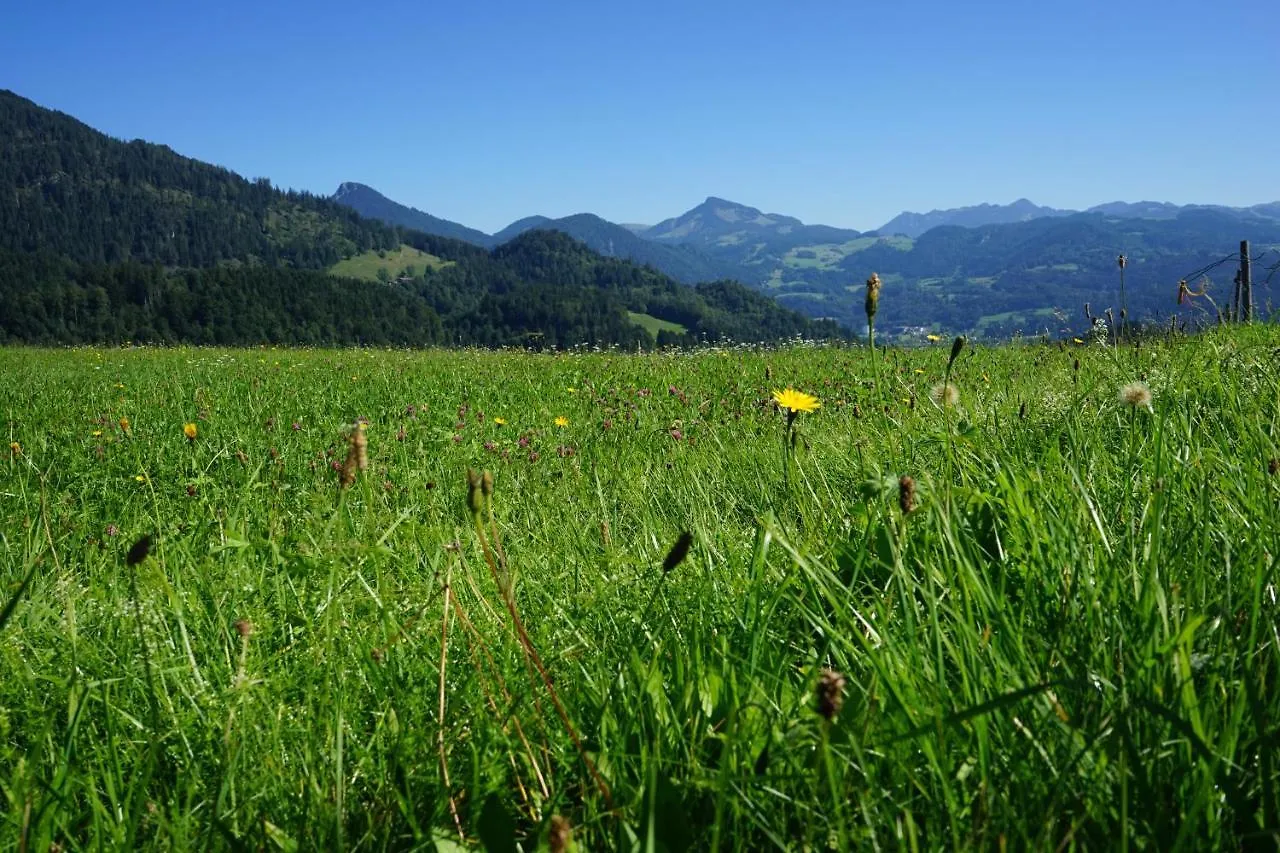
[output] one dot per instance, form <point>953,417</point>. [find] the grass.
<point>653,325</point>
<point>365,266</point>
<point>1070,642</point>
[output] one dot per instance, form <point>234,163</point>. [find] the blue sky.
<point>840,113</point>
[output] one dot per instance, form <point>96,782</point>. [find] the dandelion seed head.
<point>1136,395</point>
<point>945,394</point>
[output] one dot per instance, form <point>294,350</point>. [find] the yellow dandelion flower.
<point>189,430</point>
<point>15,448</point>
<point>141,478</point>
<point>124,424</point>
<point>797,401</point>
<point>562,421</point>
<point>933,338</point>
<point>573,390</point>
<point>919,370</point>
<point>1077,340</point>
<point>500,421</point>
<point>96,433</point>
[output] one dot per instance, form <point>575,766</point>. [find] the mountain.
<point>757,245</point>
<point>914,224</point>
<point>717,222</point>
<point>515,229</point>
<point>1033,276</point>
<point>1138,210</point>
<point>1166,210</point>
<point>106,240</point>
<point>372,204</point>
<point>683,263</point>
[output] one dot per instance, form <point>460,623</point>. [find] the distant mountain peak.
<point>718,219</point>
<point>348,187</point>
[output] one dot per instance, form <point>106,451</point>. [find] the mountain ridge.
<point>1054,260</point>
<point>367,201</point>
<point>911,224</point>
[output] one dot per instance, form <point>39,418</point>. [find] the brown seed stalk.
<point>829,693</point>
<point>559,835</point>
<point>906,494</point>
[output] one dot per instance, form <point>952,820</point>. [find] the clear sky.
<point>841,113</point>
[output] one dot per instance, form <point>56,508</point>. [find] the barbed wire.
<point>1235,257</point>
<point>1191,276</point>
<point>1271,271</point>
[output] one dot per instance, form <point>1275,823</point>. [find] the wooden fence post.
<point>1246,282</point>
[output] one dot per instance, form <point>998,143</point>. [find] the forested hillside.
<point>105,240</point>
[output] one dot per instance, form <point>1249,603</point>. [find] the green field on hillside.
<point>829,255</point>
<point>249,599</point>
<point>653,325</point>
<point>407,261</point>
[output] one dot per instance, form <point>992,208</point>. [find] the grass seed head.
<point>347,475</point>
<point>475,491</point>
<point>957,346</point>
<point>244,628</point>
<point>559,835</point>
<point>1273,467</point>
<point>906,494</point>
<point>872,304</point>
<point>357,456</point>
<point>829,693</point>
<point>360,444</point>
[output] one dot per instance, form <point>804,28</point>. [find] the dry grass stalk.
<point>526,643</point>
<point>444,662</point>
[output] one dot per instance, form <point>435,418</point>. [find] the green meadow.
<point>1042,615</point>
<point>405,261</point>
